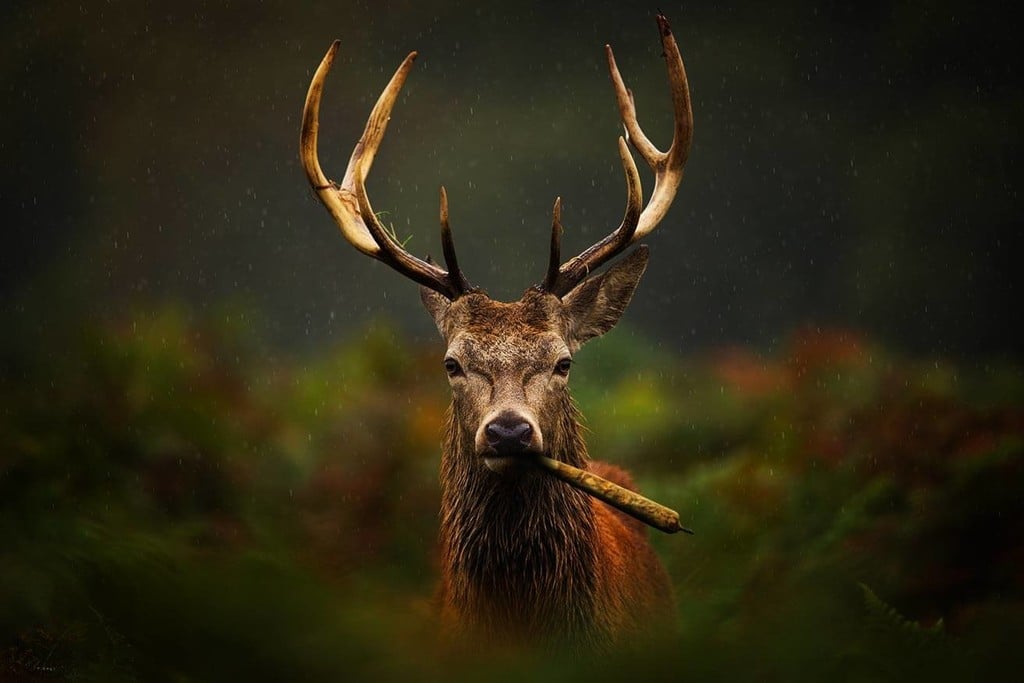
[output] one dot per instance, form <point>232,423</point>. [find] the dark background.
<point>219,423</point>
<point>853,164</point>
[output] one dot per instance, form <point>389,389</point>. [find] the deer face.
<point>508,363</point>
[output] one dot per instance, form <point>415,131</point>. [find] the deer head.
<point>509,363</point>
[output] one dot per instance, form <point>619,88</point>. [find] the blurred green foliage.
<point>176,505</point>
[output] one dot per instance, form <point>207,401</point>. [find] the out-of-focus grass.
<point>174,505</point>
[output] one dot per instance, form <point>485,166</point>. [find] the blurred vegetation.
<point>176,505</point>
<point>178,502</point>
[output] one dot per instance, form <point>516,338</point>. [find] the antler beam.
<point>349,204</point>
<point>667,167</point>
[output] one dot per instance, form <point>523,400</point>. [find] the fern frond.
<point>390,227</point>
<point>890,619</point>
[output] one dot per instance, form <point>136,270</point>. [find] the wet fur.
<point>526,559</point>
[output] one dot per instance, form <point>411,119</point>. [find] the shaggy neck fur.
<point>519,564</point>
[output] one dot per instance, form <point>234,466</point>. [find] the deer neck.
<point>518,551</point>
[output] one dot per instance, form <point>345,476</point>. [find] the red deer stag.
<point>525,558</point>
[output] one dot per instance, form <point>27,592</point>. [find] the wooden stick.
<point>630,502</point>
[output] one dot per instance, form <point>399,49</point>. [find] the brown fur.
<point>526,559</point>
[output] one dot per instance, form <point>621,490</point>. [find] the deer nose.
<point>508,434</point>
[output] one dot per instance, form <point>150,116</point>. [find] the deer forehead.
<point>505,337</point>
<point>514,353</point>
<point>534,319</point>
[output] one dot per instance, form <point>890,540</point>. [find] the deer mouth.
<point>507,459</point>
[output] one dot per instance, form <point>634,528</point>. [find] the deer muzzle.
<point>505,436</point>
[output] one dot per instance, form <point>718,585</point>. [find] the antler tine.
<point>555,257</point>
<point>349,204</point>
<point>575,270</point>
<point>448,247</point>
<point>338,204</point>
<point>667,167</point>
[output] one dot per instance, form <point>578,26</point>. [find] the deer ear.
<point>596,304</point>
<point>436,305</point>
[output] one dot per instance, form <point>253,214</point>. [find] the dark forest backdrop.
<point>219,423</point>
<point>852,164</point>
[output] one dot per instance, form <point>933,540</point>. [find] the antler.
<point>667,167</point>
<point>349,204</point>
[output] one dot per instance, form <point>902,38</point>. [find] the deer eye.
<point>452,367</point>
<point>562,367</point>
